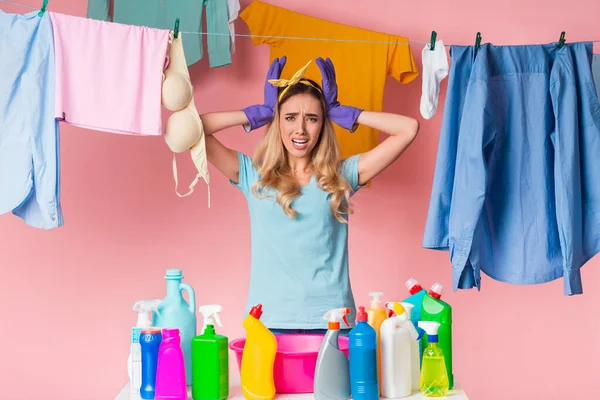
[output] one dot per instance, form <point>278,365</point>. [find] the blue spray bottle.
<point>362,355</point>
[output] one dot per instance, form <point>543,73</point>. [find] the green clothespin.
<point>477,42</point>
<point>561,41</point>
<point>43,10</point>
<point>176,29</point>
<point>433,37</point>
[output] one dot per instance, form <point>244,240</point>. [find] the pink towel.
<point>109,75</point>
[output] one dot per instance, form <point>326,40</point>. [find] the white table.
<point>235,392</point>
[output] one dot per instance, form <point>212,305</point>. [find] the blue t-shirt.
<point>299,267</point>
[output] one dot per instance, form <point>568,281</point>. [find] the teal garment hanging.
<point>162,15</point>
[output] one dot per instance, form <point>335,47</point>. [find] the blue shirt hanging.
<point>525,198</point>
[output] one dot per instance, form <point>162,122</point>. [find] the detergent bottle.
<point>434,377</point>
<point>258,358</point>
<point>395,349</point>
<point>332,380</point>
<point>150,340</point>
<point>174,312</point>
<point>134,361</point>
<point>377,314</point>
<point>415,348</point>
<point>210,358</point>
<point>436,310</point>
<point>416,299</point>
<point>362,354</point>
<point>170,369</point>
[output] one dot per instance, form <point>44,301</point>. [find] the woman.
<point>298,192</point>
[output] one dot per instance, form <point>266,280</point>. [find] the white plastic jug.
<point>396,355</point>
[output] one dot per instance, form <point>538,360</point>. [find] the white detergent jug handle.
<point>191,296</point>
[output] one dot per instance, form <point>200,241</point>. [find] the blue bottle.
<point>150,339</point>
<point>175,312</point>
<point>362,355</point>
<point>417,293</point>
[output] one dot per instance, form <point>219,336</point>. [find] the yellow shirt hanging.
<point>361,68</point>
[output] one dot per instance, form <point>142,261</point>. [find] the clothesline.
<point>409,43</point>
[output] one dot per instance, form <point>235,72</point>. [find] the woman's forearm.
<point>392,124</point>
<point>217,121</point>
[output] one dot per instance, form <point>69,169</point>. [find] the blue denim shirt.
<point>525,196</point>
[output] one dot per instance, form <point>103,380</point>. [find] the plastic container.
<point>332,376</point>
<point>436,310</point>
<point>150,340</point>
<point>415,360</point>
<point>210,358</point>
<point>175,312</point>
<point>256,374</point>
<point>416,299</point>
<point>434,378</point>
<point>396,354</point>
<point>295,360</point>
<point>362,354</point>
<point>170,369</point>
<point>377,313</point>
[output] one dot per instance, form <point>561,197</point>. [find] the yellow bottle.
<point>377,313</point>
<point>434,376</point>
<point>258,358</point>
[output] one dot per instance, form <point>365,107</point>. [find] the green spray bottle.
<point>436,310</point>
<point>210,358</point>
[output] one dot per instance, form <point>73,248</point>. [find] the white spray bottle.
<point>332,372</point>
<point>210,314</point>
<point>415,347</point>
<point>134,361</point>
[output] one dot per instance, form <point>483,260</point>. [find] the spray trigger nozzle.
<point>397,308</point>
<point>334,316</point>
<point>143,307</point>
<point>210,314</point>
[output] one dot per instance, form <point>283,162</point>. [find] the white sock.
<point>435,69</point>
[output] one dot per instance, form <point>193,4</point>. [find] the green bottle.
<point>436,310</point>
<point>210,359</point>
<point>434,378</point>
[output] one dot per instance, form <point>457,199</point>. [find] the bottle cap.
<point>256,311</point>
<point>436,290</point>
<point>361,315</point>
<point>413,285</point>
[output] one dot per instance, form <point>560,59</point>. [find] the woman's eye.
<point>290,118</point>
<point>313,119</point>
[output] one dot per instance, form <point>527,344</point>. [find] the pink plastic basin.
<point>295,361</point>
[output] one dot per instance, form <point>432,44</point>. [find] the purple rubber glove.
<point>344,116</point>
<point>261,114</point>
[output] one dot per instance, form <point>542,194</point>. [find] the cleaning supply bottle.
<point>396,354</point>
<point>362,354</point>
<point>134,361</point>
<point>175,312</point>
<point>170,369</point>
<point>434,377</point>
<point>417,293</point>
<point>150,340</point>
<point>435,309</point>
<point>332,380</point>
<point>415,347</point>
<point>258,358</point>
<point>210,358</point>
<point>377,314</point>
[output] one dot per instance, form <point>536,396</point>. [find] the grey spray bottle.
<point>332,374</point>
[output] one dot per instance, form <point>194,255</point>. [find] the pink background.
<point>66,294</point>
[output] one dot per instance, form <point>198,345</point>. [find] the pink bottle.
<point>170,369</point>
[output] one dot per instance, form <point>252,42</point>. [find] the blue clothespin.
<point>433,37</point>
<point>176,29</point>
<point>561,41</point>
<point>43,10</point>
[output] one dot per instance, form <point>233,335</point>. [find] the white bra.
<point>184,129</point>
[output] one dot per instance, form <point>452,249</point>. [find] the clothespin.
<point>561,41</point>
<point>176,29</point>
<point>477,42</point>
<point>433,37</point>
<point>43,10</point>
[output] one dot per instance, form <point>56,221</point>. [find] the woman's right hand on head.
<point>261,114</point>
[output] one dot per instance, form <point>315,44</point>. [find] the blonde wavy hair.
<point>271,161</point>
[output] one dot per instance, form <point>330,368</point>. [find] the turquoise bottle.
<point>175,312</point>
<point>417,293</point>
